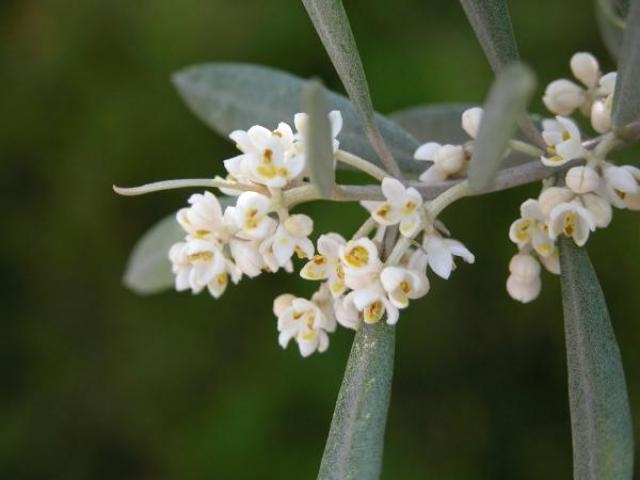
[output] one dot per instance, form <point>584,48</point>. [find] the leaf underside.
<point>356,437</point>
<point>232,96</point>
<point>600,415</point>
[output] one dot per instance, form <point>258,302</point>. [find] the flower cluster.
<point>582,200</point>
<point>593,98</point>
<point>256,234</point>
<point>357,284</point>
<point>385,265</point>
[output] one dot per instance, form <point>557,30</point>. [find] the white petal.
<point>427,151</point>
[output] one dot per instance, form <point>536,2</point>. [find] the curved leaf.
<point>356,438</point>
<point>626,101</point>
<point>318,140</point>
<point>231,96</point>
<point>600,416</point>
<point>506,105</point>
<point>492,24</point>
<point>332,24</point>
<point>148,269</point>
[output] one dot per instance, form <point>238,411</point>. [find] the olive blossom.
<point>403,206</point>
<point>564,141</point>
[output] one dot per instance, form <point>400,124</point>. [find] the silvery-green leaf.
<point>332,24</point>
<point>318,141</point>
<point>232,96</point>
<point>610,15</point>
<point>626,101</point>
<point>148,269</point>
<point>436,122</point>
<point>492,24</point>
<point>506,105</point>
<point>356,438</point>
<point>600,416</point>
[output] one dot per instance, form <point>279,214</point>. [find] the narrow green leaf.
<point>231,96</point>
<point>626,100</point>
<point>148,269</point>
<point>610,15</point>
<point>356,439</point>
<point>332,24</point>
<point>600,416</point>
<point>492,24</point>
<point>506,105</point>
<point>318,139</point>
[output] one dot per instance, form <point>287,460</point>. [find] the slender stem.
<point>361,164</point>
<point>526,148</point>
<point>366,228</point>
<point>186,183</point>
<point>456,192</point>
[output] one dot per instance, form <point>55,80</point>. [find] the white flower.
<point>621,185</point>
<point>372,301</point>
<point>247,256</point>
<point>531,229</point>
<point>448,160</point>
<point>291,236</point>
<point>403,206</point>
<point>251,216</point>
<point>585,68</point>
<point>361,262</point>
<point>562,97</point>
<point>403,284</point>
<point>563,139</point>
<point>440,252</point>
<point>303,321</point>
<point>266,156</point>
<point>203,219</point>
<point>572,220</point>
<point>471,119</point>
<point>599,207</point>
<point>326,265</point>
<point>582,179</point>
<point>201,263</point>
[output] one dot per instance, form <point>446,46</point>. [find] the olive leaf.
<point>600,416</point>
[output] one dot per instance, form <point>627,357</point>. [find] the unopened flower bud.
<point>582,179</point>
<point>450,159</point>
<point>562,97</point>
<point>600,116</point>
<point>585,68</point>
<point>553,197</point>
<point>523,290</point>
<point>299,225</point>
<point>471,119</point>
<point>524,266</point>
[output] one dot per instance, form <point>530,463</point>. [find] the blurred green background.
<point>98,383</point>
